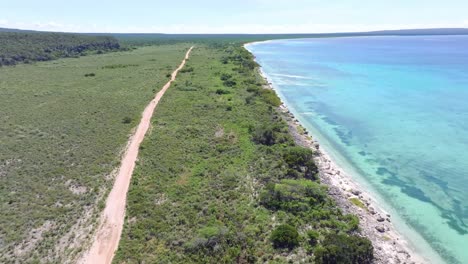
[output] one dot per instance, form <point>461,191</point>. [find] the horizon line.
<point>7,29</point>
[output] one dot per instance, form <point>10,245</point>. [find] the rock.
<point>372,210</point>
<point>355,192</point>
<point>381,229</point>
<point>380,219</point>
<point>388,220</point>
<point>177,243</point>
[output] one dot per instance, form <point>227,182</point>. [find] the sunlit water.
<point>394,110</point>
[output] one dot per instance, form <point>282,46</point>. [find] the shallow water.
<point>394,109</point>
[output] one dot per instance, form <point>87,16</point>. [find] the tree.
<point>285,236</point>
<point>300,161</point>
<point>344,249</point>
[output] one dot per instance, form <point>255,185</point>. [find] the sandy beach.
<point>376,224</point>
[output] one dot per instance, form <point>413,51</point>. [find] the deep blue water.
<point>393,110</point>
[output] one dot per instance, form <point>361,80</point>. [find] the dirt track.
<point>106,239</point>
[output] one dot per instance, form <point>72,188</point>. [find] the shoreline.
<point>375,223</point>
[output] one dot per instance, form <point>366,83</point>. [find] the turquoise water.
<point>394,111</point>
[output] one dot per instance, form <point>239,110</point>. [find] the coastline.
<point>375,223</point>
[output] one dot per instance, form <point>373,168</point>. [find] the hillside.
<point>158,39</point>
<point>29,46</point>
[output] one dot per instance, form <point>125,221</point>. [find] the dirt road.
<point>106,239</point>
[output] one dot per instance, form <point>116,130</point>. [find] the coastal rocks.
<point>374,222</point>
<point>380,219</point>
<point>381,228</point>
<point>316,145</point>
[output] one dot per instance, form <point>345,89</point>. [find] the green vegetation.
<point>339,248</point>
<point>285,236</point>
<point>60,135</point>
<point>358,203</point>
<point>220,179</point>
<point>26,47</point>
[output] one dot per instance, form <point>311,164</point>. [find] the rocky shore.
<point>375,224</point>
<point>389,246</point>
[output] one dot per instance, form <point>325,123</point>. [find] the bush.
<point>270,135</point>
<point>229,83</point>
<point>313,237</point>
<point>300,162</point>
<point>285,236</point>
<point>225,77</point>
<point>208,239</point>
<point>294,196</point>
<point>341,248</point>
<point>187,69</point>
<point>90,74</point>
<point>253,90</point>
<point>270,97</point>
<point>127,120</point>
<point>224,60</point>
<point>222,91</point>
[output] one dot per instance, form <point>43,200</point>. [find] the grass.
<point>217,172</point>
<point>204,192</point>
<point>358,203</point>
<point>60,138</point>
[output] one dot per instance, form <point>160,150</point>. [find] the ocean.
<point>393,112</point>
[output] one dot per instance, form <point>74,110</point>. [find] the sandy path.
<point>106,239</point>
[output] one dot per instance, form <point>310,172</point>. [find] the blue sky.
<point>236,16</point>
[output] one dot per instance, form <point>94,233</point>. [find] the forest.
<point>27,47</point>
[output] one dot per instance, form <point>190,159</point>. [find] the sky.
<point>235,16</point>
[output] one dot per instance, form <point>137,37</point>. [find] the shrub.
<point>222,91</point>
<point>119,66</point>
<point>209,238</point>
<point>224,60</point>
<point>249,100</point>
<point>127,120</point>
<point>253,89</point>
<point>294,196</point>
<point>90,74</point>
<point>270,97</point>
<point>229,83</point>
<point>270,135</point>
<point>285,236</point>
<point>225,77</point>
<point>300,162</point>
<point>313,237</point>
<point>187,69</point>
<point>341,248</point>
